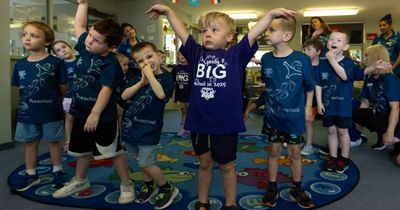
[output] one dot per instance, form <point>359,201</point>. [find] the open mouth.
<point>334,47</point>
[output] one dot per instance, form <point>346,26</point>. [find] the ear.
<point>229,38</point>
<point>318,52</point>
<point>346,47</point>
<point>287,36</point>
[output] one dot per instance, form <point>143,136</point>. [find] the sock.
<point>272,185</point>
<point>57,168</point>
<point>31,171</point>
<point>296,184</point>
<point>166,186</point>
<point>149,184</point>
<point>126,183</point>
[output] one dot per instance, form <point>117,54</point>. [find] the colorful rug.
<point>180,166</point>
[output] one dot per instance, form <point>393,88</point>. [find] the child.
<point>183,76</point>
<point>41,78</point>
<point>64,51</point>
<point>95,130</point>
<point>334,91</point>
<point>379,109</point>
<point>147,95</point>
<point>124,63</point>
<point>215,113</point>
<point>289,90</point>
<point>312,48</point>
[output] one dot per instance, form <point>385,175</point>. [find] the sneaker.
<point>127,193</point>
<point>230,208</point>
<point>270,198</point>
<point>307,150</point>
<point>342,165</point>
<point>198,205</point>
<point>181,132</point>
<point>356,143</point>
<point>145,194</point>
<point>330,164</point>
<point>324,150</point>
<point>378,146</point>
<point>284,144</point>
<point>27,182</point>
<point>59,179</point>
<point>165,197</point>
<point>72,187</point>
<point>299,195</point>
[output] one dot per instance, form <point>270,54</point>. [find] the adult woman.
<point>318,29</point>
<point>379,109</point>
<point>391,40</point>
<point>128,42</point>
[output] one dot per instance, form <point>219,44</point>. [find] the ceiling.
<point>369,10</point>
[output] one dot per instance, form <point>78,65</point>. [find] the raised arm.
<point>330,55</point>
<point>158,9</point>
<point>263,24</point>
<point>81,17</point>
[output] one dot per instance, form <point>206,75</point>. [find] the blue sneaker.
<point>27,182</point>
<point>59,179</point>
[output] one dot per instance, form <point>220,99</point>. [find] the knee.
<point>273,153</point>
<point>295,157</point>
<point>206,165</point>
<point>228,167</point>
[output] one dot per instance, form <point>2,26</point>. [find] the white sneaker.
<point>356,143</point>
<point>127,194</point>
<point>72,187</point>
<point>307,150</point>
<point>284,144</point>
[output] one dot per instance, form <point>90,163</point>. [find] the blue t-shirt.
<point>125,48</point>
<point>216,96</point>
<point>91,73</point>
<point>380,91</point>
<point>286,81</point>
<point>336,93</point>
<point>40,99</point>
<point>392,44</point>
<point>183,77</point>
<point>142,120</point>
<point>70,65</point>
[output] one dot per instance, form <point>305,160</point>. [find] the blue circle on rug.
<point>333,176</point>
<point>252,202</point>
<point>325,188</point>
<point>180,167</point>
<point>215,204</point>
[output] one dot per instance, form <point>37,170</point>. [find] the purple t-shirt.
<point>216,95</point>
<point>183,77</point>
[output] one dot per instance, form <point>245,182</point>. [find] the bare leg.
<point>69,122</point>
<point>273,156</point>
<point>121,165</point>
<point>55,153</point>
<point>295,157</point>
<point>205,176</point>
<point>229,181</point>
<point>82,165</point>
<point>31,153</point>
<point>153,173</point>
<point>333,141</point>
<point>344,138</point>
<point>309,133</point>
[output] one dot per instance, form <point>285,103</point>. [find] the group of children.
<point>213,71</point>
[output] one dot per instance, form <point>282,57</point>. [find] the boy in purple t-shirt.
<point>215,116</point>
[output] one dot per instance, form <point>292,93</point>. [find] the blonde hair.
<point>288,24</point>
<point>211,17</point>
<point>121,57</point>
<point>377,52</point>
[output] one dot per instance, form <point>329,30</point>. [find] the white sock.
<point>31,171</point>
<point>57,168</point>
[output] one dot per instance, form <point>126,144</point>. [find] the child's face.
<point>129,32</point>
<point>181,59</point>
<point>147,56</point>
<point>33,39</point>
<point>95,43</point>
<point>216,35</point>
<point>311,52</point>
<point>274,34</point>
<point>124,65</point>
<point>338,43</point>
<point>63,51</point>
<point>162,57</point>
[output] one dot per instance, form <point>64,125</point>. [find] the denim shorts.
<point>145,154</point>
<point>50,131</point>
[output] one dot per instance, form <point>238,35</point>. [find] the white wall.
<point>5,89</point>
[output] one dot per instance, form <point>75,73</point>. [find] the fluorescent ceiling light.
<point>238,16</point>
<point>330,12</point>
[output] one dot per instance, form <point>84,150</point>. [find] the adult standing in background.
<point>391,40</point>
<point>318,29</point>
<point>130,40</point>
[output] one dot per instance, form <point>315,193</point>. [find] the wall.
<point>5,89</point>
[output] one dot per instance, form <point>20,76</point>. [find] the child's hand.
<point>82,1</point>
<point>91,123</point>
<point>380,64</point>
<point>331,55</point>
<point>321,109</point>
<point>148,71</point>
<point>279,12</point>
<point>388,138</point>
<point>143,81</point>
<point>66,145</point>
<point>156,10</point>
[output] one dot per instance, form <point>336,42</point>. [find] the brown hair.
<point>120,56</point>
<point>59,41</point>
<point>387,18</point>
<point>316,43</point>
<point>111,30</point>
<point>324,27</point>
<point>48,32</point>
<point>142,45</point>
<point>288,24</point>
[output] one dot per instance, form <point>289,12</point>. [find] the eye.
<point>243,173</point>
<point>196,163</point>
<point>184,173</point>
<point>204,31</point>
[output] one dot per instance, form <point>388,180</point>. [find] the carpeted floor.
<point>180,167</point>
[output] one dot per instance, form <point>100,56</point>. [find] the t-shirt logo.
<point>22,74</point>
<point>324,76</point>
<point>293,69</point>
<point>207,92</point>
<point>46,69</point>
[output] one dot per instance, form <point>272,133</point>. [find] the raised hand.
<point>82,1</point>
<point>156,10</point>
<point>279,12</point>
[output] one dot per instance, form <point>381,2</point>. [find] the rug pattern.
<point>180,166</point>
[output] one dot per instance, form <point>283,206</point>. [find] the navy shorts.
<point>101,144</point>
<point>275,136</point>
<point>340,122</point>
<point>223,147</point>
